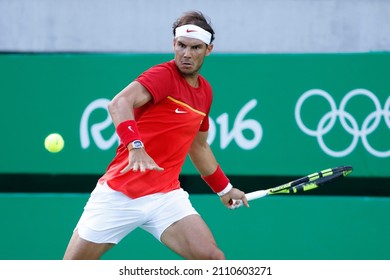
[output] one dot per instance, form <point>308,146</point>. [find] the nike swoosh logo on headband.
<point>190,30</point>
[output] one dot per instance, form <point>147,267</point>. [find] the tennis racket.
<point>303,184</point>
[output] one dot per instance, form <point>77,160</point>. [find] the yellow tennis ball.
<point>54,143</point>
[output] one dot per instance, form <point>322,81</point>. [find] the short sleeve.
<point>158,80</point>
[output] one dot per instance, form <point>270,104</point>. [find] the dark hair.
<point>196,18</point>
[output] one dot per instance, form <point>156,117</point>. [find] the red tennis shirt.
<point>167,124</point>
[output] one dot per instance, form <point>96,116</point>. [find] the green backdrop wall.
<point>273,114</point>
<point>38,227</point>
<point>276,114</point>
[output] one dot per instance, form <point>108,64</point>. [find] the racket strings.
<point>314,180</point>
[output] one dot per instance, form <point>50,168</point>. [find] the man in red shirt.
<point>160,118</point>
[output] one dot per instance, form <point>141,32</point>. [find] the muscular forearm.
<point>203,159</point>
<point>120,109</point>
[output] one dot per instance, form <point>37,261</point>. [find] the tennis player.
<point>160,118</point>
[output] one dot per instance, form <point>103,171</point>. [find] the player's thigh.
<point>191,238</point>
<point>81,249</point>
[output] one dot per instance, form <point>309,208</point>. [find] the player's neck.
<point>192,80</point>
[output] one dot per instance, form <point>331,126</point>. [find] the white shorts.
<point>110,215</point>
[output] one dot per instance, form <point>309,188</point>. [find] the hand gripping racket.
<point>303,184</point>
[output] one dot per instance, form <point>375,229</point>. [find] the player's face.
<point>189,54</point>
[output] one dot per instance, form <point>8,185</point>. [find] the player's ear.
<point>209,49</point>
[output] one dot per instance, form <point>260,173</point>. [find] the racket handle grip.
<point>249,196</point>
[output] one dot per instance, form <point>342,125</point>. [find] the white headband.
<point>193,31</point>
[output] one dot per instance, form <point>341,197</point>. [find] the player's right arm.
<point>121,109</point>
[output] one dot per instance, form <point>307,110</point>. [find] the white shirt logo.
<point>178,111</point>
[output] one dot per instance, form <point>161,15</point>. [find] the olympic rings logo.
<point>348,122</point>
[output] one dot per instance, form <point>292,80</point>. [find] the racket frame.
<point>306,183</point>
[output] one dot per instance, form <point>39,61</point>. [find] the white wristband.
<point>225,190</point>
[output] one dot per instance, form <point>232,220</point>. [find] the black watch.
<point>137,144</point>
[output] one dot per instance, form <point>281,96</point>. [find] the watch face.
<point>137,144</point>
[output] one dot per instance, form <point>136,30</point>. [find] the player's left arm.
<point>205,162</point>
